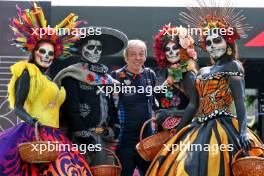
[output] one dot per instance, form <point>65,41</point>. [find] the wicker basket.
<point>248,166</point>
<point>30,151</point>
<point>149,147</point>
<point>109,170</point>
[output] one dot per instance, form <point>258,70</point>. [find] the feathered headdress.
<point>180,36</point>
<point>211,17</point>
<point>31,27</point>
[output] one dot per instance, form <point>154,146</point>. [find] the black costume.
<point>87,109</point>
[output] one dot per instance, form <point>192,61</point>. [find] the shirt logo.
<point>85,109</point>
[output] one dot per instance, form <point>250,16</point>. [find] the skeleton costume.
<point>34,97</point>
<point>174,49</point>
<point>88,111</point>
<point>218,133</point>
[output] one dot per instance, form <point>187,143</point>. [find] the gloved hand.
<point>23,115</point>
<point>31,121</point>
<point>244,140</point>
<point>162,114</point>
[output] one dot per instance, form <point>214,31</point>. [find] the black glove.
<point>30,121</point>
<point>162,114</point>
<point>244,139</point>
<point>38,123</point>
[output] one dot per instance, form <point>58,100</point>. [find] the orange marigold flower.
<point>122,75</point>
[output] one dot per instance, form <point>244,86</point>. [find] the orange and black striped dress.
<point>206,146</point>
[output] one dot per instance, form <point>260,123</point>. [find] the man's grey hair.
<point>134,42</point>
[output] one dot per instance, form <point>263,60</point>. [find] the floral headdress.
<point>180,36</point>
<point>221,18</point>
<point>29,24</point>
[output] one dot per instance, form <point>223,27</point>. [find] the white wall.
<point>150,3</point>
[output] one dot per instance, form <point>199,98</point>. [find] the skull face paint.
<point>92,51</point>
<point>44,56</point>
<point>215,45</point>
<point>172,52</point>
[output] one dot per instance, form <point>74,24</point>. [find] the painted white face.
<point>172,52</point>
<point>92,51</point>
<point>215,45</point>
<point>44,56</point>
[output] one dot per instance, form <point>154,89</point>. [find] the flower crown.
<point>27,31</point>
<point>211,17</point>
<point>211,23</point>
<point>175,34</point>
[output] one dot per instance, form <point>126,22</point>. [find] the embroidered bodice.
<point>215,96</point>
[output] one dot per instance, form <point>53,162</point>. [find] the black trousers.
<point>130,159</point>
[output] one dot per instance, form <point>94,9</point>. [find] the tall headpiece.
<point>31,27</point>
<point>213,17</point>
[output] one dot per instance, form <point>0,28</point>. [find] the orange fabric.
<point>214,94</point>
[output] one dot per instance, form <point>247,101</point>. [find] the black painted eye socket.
<point>174,47</point>
<point>99,48</point>
<point>217,40</point>
<point>42,51</point>
<point>208,43</point>
<point>51,53</point>
<point>90,47</point>
<point>167,48</point>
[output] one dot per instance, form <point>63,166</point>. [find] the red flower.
<point>208,18</point>
<point>122,75</point>
<point>215,17</point>
<point>165,103</point>
<point>90,77</point>
<point>231,38</point>
<point>103,80</point>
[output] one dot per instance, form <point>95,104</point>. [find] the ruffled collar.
<point>82,72</point>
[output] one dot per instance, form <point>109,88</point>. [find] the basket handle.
<point>36,131</point>
<point>241,150</point>
<point>110,151</point>
<point>142,129</point>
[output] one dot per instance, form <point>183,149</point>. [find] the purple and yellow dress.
<point>43,102</point>
<point>195,150</point>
